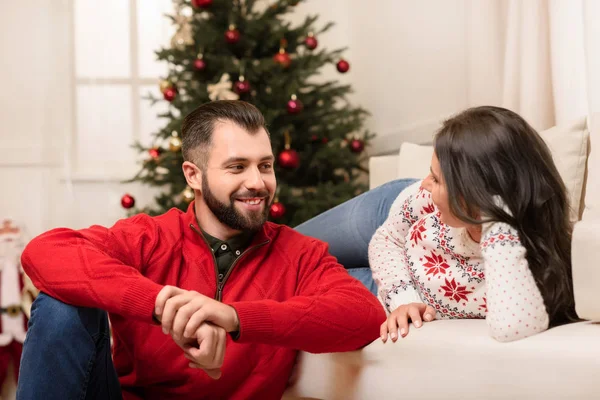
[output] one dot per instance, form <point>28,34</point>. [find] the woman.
<point>485,235</point>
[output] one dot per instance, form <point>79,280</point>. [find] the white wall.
<point>34,109</point>
<point>412,64</point>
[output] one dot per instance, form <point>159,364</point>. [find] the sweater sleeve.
<point>387,252</point>
<point>330,312</point>
<point>97,267</point>
<point>515,305</point>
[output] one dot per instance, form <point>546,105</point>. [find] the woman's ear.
<point>193,175</point>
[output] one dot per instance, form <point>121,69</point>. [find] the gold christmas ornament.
<point>174,142</point>
<point>188,195</point>
<point>164,85</point>
<point>184,35</point>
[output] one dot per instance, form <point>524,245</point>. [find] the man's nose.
<point>255,180</point>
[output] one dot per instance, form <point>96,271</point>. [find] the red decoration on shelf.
<point>202,3</point>
<point>127,201</point>
<point>169,94</point>
<point>199,64</point>
<point>311,42</point>
<point>343,66</point>
<point>289,159</point>
<point>277,210</point>
<point>154,152</point>
<point>232,35</point>
<point>357,145</point>
<point>242,86</point>
<point>294,106</point>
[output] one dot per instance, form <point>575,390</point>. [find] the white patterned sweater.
<point>416,258</point>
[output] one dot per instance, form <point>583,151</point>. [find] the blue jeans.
<point>348,228</point>
<point>66,354</point>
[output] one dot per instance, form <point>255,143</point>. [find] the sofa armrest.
<point>586,270</point>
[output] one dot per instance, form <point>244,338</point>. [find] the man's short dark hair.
<point>198,126</point>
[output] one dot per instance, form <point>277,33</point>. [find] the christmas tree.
<point>226,49</point>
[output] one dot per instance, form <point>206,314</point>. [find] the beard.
<point>229,215</point>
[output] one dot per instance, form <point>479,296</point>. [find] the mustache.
<point>251,193</point>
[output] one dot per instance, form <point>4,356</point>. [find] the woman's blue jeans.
<point>348,228</point>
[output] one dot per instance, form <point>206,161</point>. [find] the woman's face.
<point>435,184</point>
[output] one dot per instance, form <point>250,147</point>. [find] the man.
<point>212,303</point>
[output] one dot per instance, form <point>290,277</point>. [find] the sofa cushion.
<point>414,160</point>
<point>568,143</point>
<point>457,359</point>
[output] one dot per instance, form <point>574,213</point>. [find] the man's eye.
<point>267,166</point>
<point>237,167</point>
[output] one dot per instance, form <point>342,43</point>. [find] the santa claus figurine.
<point>16,295</point>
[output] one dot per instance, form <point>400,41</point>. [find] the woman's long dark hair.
<point>491,151</point>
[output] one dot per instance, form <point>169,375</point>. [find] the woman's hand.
<point>417,312</point>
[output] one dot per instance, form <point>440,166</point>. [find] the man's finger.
<point>220,347</point>
<point>171,307</point>
<point>194,322</point>
<point>205,354</point>
<point>165,294</point>
<point>213,373</point>
<point>181,319</point>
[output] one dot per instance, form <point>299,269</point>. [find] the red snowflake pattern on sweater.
<point>455,291</point>
<point>429,209</point>
<point>416,232</point>
<point>435,264</point>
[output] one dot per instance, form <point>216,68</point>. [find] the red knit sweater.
<point>289,293</point>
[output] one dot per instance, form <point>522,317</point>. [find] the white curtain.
<point>551,60</point>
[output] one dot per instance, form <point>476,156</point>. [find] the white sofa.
<point>457,359</point>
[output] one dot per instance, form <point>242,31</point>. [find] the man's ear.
<point>192,174</point>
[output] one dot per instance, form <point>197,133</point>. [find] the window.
<point>115,68</point>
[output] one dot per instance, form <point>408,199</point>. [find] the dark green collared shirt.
<point>227,252</point>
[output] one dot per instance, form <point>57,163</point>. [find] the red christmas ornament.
<point>199,64</point>
<point>241,87</point>
<point>169,94</point>
<point>282,58</point>
<point>357,145</point>
<point>324,140</point>
<point>202,3</point>
<point>343,66</point>
<point>314,138</point>
<point>127,201</point>
<point>289,159</point>
<point>311,42</point>
<point>154,152</point>
<point>294,106</point>
<point>277,210</point>
<point>232,35</point>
